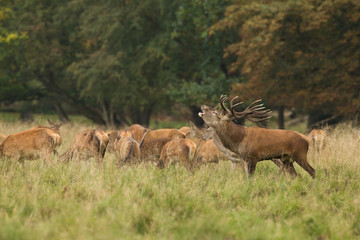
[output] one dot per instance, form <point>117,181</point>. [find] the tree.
<point>196,54</point>
<point>13,87</point>
<point>105,59</point>
<point>302,54</point>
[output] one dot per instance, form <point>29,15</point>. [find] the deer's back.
<point>138,131</point>
<point>272,142</point>
<point>27,143</point>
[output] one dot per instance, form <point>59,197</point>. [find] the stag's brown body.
<point>317,139</point>
<point>181,150</point>
<point>254,144</point>
<point>86,144</point>
<point>138,131</point>
<point>38,142</point>
<point>127,150</point>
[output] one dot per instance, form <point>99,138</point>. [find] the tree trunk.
<point>107,113</point>
<point>81,106</point>
<point>145,116</point>
<point>281,117</point>
<point>61,112</point>
<point>141,117</point>
<point>26,116</point>
<point>318,119</point>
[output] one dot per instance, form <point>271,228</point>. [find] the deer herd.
<point>192,146</point>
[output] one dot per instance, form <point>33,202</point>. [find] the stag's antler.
<point>222,100</point>
<point>254,112</point>
<point>230,112</point>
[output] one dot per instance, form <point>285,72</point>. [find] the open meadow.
<point>79,200</point>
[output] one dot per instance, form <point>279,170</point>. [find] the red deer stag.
<point>127,150</point>
<point>210,150</point>
<point>254,144</point>
<point>38,142</point>
<point>86,144</point>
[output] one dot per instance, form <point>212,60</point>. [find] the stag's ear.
<point>226,117</point>
<point>51,123</point>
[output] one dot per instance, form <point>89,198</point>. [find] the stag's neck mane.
<point>230,133</point>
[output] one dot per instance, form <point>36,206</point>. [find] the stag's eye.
<point>214,113</point>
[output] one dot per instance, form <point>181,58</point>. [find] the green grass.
<point>79,200</point>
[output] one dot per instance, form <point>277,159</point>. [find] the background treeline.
<point>118,62</point>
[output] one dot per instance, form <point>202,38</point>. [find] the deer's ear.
<point>192,125</point>
<point>226,117</point>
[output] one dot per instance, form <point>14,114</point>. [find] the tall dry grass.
<point>79,200</point>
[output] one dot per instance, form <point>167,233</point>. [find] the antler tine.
<point>260,118</point>
<point>252,108</point>
<point>222,100</point>
<point>266,112</point>
<point>255,112</point>
<point>261,122</point>
<point>255,102</point>
<point>255,120</point>
<point>232,105</point>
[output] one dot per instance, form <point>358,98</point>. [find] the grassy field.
<point>79,200</point>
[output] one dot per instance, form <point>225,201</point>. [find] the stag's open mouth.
<point>203,108</point>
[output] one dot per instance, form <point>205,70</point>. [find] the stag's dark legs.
<point>289,168</point>
<point>251,166</point>
<point>301,159</point>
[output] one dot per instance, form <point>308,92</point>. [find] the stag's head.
<point>255,112</point>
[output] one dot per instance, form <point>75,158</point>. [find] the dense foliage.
<point>118,62</point>
<point>302,54</point>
